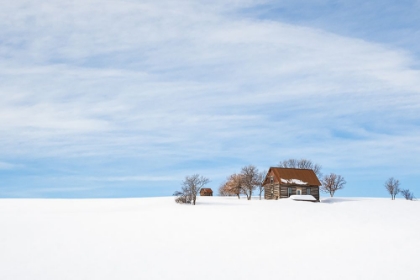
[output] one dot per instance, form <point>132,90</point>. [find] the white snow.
<point>306,197</point>
<point>219,238</point>
<point>293,181</point>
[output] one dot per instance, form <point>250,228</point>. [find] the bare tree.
<point>407,194</point>
<point>331,183</point>
<point>232,186</point>
<point>243,183</point>
<point>393,187</point>
<point>260,182</point>
<point>302,164</point>
<point>250,180</point>
<point>191,186</point>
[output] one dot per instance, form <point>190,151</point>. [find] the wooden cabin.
<point>283,182</point>
<point>206,192</point>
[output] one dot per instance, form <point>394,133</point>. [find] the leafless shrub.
<point>407,194</point>
<point>182,197</point>
<point>393,187</point>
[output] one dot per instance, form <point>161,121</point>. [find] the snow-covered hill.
<point>220,238</point>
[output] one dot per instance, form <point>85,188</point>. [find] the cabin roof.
<point>294,174</point>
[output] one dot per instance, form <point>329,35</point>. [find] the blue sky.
<point>126,98</point>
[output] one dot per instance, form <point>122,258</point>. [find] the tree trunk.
<point>239,196</point>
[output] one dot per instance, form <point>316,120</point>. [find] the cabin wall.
<point>314,191</point>
<point>276,191</point>
<point>272,191</point>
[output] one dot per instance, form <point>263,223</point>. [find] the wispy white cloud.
<point>8,166</point>
<point>134,178</point>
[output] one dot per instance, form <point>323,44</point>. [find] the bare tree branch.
<point>302,164</point>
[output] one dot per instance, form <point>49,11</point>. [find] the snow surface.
<point>219,238</point>
<point>306,197</point>
<point>293,181</point>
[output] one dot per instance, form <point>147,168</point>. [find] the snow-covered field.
<point>219,238</point>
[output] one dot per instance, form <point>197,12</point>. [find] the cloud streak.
<point>7,166</point>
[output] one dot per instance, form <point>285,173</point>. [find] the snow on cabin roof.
<point>303,197</point>
<point>294,176</point>
<point>293,181</point>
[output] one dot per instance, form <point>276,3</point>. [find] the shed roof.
<point>291,174</point>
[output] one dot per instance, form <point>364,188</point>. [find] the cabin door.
<point>298,191</point>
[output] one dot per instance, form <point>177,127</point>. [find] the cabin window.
<point>289,191</point>
<point>308,191</point>
<point>271,179</point>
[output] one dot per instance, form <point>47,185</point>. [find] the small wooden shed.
<point>206,192</point>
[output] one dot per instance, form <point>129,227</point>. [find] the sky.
<point>126,98</point>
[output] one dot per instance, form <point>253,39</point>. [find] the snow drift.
<point>220,238</point>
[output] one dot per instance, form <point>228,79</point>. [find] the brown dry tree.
<point>232,186</point>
